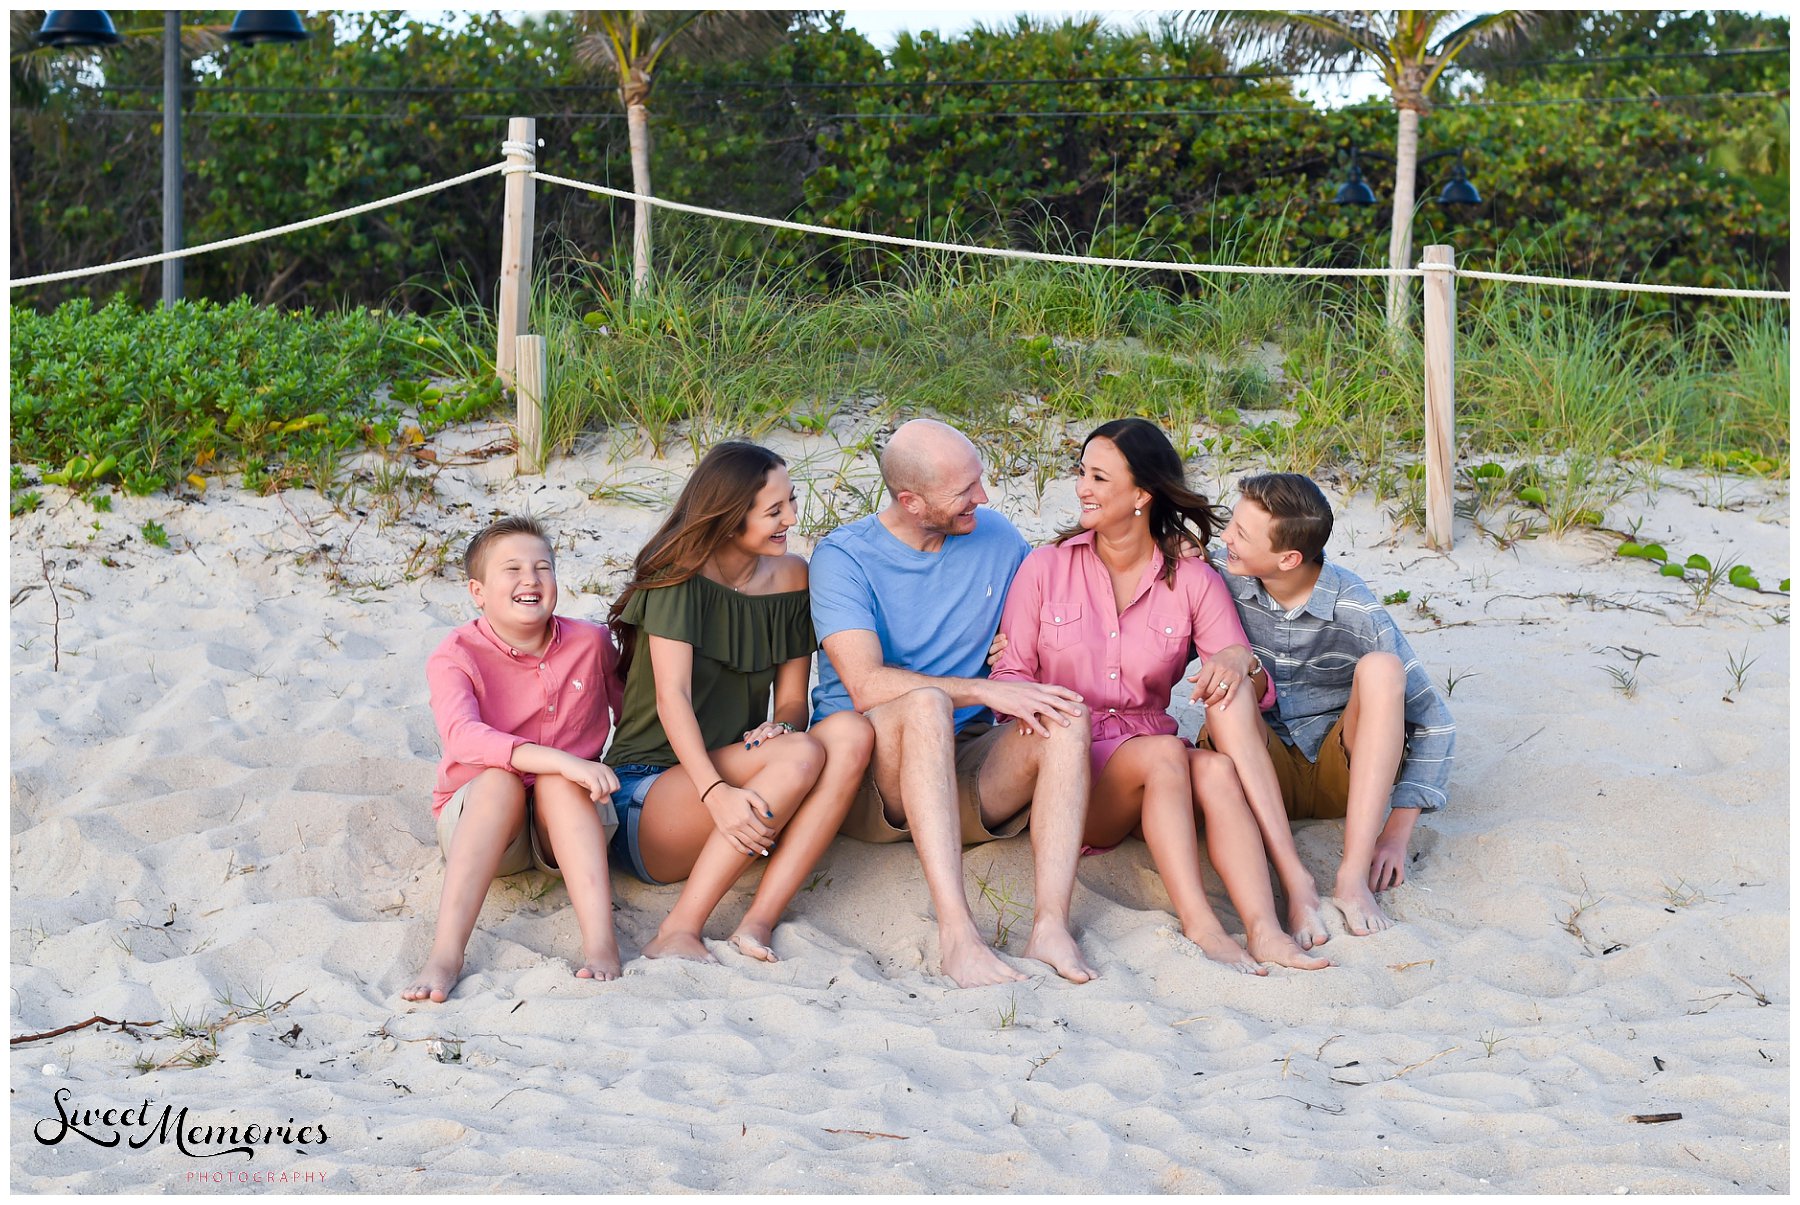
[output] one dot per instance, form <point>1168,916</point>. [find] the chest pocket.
<point>1059,624</point>
<point>1170,633</point>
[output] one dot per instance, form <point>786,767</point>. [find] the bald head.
<point>920,452</point>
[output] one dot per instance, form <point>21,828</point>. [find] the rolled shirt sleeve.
<point>456,709</point>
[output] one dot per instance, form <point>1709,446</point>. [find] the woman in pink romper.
<point>1114,610</point>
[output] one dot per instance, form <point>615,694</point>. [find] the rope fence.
<point>521,359</point>
<point>526,152</point>
<point>274,232</point>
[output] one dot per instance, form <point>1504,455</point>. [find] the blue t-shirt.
<point>934,612</point>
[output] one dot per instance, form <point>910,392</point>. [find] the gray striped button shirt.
<point>1312,652</point>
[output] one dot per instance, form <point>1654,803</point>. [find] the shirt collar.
<point>1322,602</point>
<point>1325,591</point>
<point>1087,539</point>
<point>487,631</point>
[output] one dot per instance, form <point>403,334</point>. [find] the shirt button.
<point>1057,619</point>
<point>1112,635</point>
<point>1112,675</point>
<point>1168,631</point>
<point>553,708</point>
<point>1112,711</point>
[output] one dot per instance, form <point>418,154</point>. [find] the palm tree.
<point>632,42</point>
<point>1411,50</point>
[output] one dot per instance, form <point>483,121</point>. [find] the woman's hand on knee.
<point>766,732</point>
<point>742,816</point>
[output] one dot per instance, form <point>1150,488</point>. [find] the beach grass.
<point>1287,373</point>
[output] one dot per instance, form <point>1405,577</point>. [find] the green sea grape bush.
<point>152,399</point>
<point>1699,572</point>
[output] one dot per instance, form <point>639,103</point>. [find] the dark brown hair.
<point>1156,469</point>
<point>475,556</point>
<point>712,508</point>
<point>1301,517</point>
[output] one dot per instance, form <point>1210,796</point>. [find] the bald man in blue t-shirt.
<point>905,603</point>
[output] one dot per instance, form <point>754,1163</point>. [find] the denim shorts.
<point>635,781</point>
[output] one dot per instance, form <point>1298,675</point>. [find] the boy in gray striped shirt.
<point>1358,731</point>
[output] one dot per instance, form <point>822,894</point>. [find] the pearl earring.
<point>1137,510</point>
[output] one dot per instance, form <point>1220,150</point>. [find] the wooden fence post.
<point>534,412</point>
<point>1440,394</point>
<point>513,316</point>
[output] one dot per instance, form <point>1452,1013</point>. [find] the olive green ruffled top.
<point>739,641</point>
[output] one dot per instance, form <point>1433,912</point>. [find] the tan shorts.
<point>524,853</point>
<point>1309,790</point>
<point>868,812</point>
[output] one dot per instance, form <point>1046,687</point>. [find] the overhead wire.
<point>928,115</point>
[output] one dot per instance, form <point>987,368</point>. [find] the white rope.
<point>1626,286</point>
<point>1152,265</point>
<point>490,169</point>
<point>895,240</point>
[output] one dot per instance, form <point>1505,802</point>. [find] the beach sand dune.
<point>221,764</point>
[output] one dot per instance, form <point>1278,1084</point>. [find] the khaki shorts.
<point>524,853</point>
<point>1309,790</point>
<point>868,812</point>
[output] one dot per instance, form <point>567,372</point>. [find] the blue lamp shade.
<point>1459,191</point>
<point>255,26</point>
<point>1354,191</point>
<point>77,27</point>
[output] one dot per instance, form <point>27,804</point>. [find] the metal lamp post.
<point>1356,191</point>
<point>90,28</point>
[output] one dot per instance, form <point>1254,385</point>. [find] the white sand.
<point>223,791</point>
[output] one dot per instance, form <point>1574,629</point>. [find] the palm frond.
<point>1322,40</point>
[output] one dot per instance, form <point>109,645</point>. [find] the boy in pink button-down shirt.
<point>524,701</point>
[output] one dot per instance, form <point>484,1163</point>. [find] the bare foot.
<point>437,980</point>
<point>601,963</point>
<point>972,964</point>
<point>678,945</point>
<point>1052,943</point>
<point>1362,915</point>
<point>753,941</point>
<point>1306,920</point>
<point>1222,948</point>
<point>1272,945</point>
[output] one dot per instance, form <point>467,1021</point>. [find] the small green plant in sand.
<point>201,1032</point>
<point>1452,679</point>
<point>1490,1039</point>
<point>1008,1016</point>
<point>997,892</point>
<point>1698,572</point>
<point>1395,598</point>
<point>819,879</point>
<point>153,533</point>
<point>1738,665</point>
<point>1625,676</point>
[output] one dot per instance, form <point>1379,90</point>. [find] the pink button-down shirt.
<point>488,698</point>
<point>1063,628</point>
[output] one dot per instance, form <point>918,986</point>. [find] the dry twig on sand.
<point>55,617</point>
<point>124,1027</point>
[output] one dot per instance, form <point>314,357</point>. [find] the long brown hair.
<point>1156,469</point>
<point>711,510</point>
